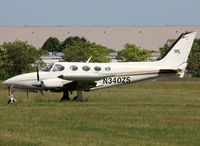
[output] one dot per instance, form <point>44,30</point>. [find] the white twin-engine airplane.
<point>69,76</point>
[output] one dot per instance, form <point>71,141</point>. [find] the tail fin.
<point>178,53</point>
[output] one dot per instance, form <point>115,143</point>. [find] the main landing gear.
<point>12,99</point>
<point>65,96</point>
<point>79,96</point>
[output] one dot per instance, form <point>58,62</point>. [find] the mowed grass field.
<point>149,113</point>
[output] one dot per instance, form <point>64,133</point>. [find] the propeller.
<point>38,83</point>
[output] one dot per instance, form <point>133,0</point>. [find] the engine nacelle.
<point>53,83</point>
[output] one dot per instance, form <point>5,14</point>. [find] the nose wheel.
<point>11,97</point>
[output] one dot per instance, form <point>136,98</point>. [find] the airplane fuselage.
<point>114,73</point>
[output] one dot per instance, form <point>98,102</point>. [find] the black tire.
<point>9,101</point>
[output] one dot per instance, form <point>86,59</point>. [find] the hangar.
<point>115,37</point>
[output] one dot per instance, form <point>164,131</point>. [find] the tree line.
<point>79,49</point>
<point>19,57</point>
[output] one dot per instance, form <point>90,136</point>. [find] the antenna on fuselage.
<point>88,60</point>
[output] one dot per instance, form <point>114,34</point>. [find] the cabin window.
<point>86,68</point>
<point>58,67</point>
<point>107,68</point>
<point>97,68</point>
<point>73,68</point>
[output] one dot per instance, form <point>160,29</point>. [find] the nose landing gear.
<point>12,99</point>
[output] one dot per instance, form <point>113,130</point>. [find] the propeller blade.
<point>38,78</point>
<point>39,83</point>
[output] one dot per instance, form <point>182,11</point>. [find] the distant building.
<point>114,37</point>
<point>52,57</point>
<point>113,56</point>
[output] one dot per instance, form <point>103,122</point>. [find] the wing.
<point>88,77</point>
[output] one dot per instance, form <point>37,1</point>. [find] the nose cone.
<point>11,81</point>
<point>7,82</point>
<point>20,80</point>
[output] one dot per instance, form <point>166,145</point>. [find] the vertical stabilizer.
<point>178,53</point>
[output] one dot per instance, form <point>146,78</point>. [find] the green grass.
<point>152,113</point>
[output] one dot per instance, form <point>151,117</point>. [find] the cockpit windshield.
<point>47,68</point>
<point>58,67</point>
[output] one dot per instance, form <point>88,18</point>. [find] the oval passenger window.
<point>86,68</point>
<point>73,68</point>
<point>97,68</point>
<point>107,68</point>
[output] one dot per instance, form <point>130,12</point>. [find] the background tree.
<point>166,46</point>
<point>194,59</point>
<point>99,53</point>
<point>19,57</point>
<point>72,41</point>
<point>52,44</point>
<point>193,66</point>
<point>133,53</point>
<point>3,60</point>
<point>79,49</point>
